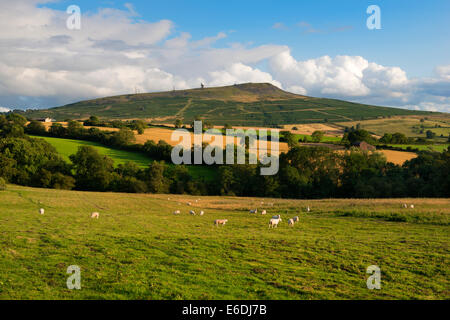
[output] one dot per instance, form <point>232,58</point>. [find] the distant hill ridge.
<point>255,104</point>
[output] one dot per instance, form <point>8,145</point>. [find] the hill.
<point>138,249</point>
<point>250,104</point>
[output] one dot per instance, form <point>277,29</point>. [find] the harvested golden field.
<point>309,128</point>
<point>396,157</point>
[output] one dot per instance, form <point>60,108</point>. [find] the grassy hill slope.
<point>139,250</point>
<point>255,104</point>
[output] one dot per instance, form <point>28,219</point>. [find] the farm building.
<point>46,119</point>
<point>364,146</point>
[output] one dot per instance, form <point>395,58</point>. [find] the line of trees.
<point>305,172</point>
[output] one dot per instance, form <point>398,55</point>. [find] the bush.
<point>2,184</point>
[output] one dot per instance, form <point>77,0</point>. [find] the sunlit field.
<point>138,249</point>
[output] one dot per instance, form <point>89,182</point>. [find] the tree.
<point>123,137</point>
<point>178,123</point>
<point>2,184</point>
<point>430,134</point>
<point>289,138</point>
<point>139,126</point>
<point>155,179</point>
<point>93,171</point>
<point>317,136</point>
<point>36,127</point>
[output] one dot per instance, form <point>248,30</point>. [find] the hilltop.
<point>255,104</point>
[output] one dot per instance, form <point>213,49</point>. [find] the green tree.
<point>317,136</point>
<point>92,170</point>
<point>178,123</point>
<point>123,137</point>
<point>36,127</point>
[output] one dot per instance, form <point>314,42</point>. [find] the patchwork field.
<point>138,249</point>
<point>408,125</point>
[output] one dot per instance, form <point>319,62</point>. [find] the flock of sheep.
<point>273,222</point>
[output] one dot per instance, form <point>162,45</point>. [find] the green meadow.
<point>138,249</point>
<point>67,147</point>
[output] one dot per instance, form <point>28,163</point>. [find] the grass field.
<point>434,147</point>
<point>138,249</point>
<point>408,125</point>
<point>66,147</point>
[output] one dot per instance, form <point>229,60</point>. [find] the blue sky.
<point>318,48</point>
<point>415,35</point>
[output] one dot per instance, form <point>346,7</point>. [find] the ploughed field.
<point>138,249</point>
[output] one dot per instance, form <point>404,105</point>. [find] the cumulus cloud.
<point>355,78</point>
<point>43,63</point>
<point>3,109</point>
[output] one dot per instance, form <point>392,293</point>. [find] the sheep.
<point>189,204</point>
<point>254,211</point>
<point>277,216</point>
<point>273,223</point>
<point>176,212</point>
<point>308,209</point>
<point>95,215</point>
<point>192,212</point>
<point>405,205</point>
<point>41,210</point>
<point>220,221</point>
<point>296,219</point>
<point>202,213</point>
<point>263,212</point>
<point>291,222</point>
<point>411,206</point>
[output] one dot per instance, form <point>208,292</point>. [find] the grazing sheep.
<point>254,211</point>
<point>411,206</point>
<point>202,213</point>
<point>41,210</point>
<point>95,215</point>
<point>296,219</point>
<point>176,212</point>
<point>220,221</point>
<point>168,198</point>
<point>291,222</point>
<point>277,216</point>
<point>192,212</point>
<point>405,205</point>
<point>273,223</point>
<point>263,212</point>
<point>188,203</point>
<point>308,209</point>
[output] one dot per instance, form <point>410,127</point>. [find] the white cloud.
<point>3,109</point>
<point>239,72</point>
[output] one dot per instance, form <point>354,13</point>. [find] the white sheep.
<point>308,209</point>
<point>202,213</point>
<point>192,212</point>
<point>411,206</point>
<point>291,222</point>
<point>254,211</point>
<point>95,215</point>
<point>273,223</point>
<point>188,203</point>
<point>405,205</point>
<point>263,212</point>
<point>176,212</point>
<point>41,210</point>
<point>220,221</point>
<point>296,219</point>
